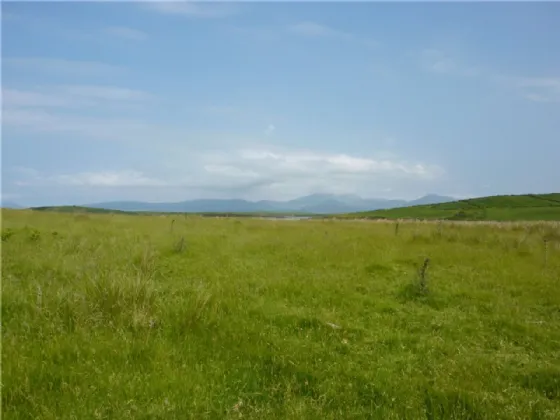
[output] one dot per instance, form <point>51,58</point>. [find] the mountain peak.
<point>431,199</point>
<point>319,203</point>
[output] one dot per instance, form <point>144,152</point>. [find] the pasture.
<point>175,317</point>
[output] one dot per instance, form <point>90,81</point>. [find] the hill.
<point>315,203</point>
<point>496,208</point>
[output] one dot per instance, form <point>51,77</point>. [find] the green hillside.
<point>497,208</point>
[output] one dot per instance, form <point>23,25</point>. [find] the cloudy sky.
<point>173,101</point>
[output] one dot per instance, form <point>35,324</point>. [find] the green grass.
<point>530,207</point>
<point>115,316</point>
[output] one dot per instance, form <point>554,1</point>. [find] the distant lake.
<point>284,217</point>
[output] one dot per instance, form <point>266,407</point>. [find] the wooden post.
<point>423,280</point>
<point>545,253</point>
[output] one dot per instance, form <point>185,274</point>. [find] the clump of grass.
<point>7,234</point>
<point>552,235</point>
<point>119,299</point>
<point>39,298</point>
<point>180,245</point>
<point>544,381</point>
<point>451,405</point>
<point>418,290</point>
<point>440,228</point>
<point>420,237</point>
<point>123,297</point>
<point>376,269</point>
<point>34,235</point>
<point>146,264</point>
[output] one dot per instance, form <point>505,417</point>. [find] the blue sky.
<point>174,101</point>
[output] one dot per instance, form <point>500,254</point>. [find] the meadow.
<point>175,317</point>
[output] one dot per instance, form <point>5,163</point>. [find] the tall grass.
<point>116,316</point>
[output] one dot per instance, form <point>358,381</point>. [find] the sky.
<point>105,101</point>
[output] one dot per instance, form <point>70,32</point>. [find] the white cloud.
<point>539,82</point>
<point>92,179</point>
<point>269,130</point>
<point>70,96</point>
<point>311,29</point>
<point>438,61</point>
<point>62,66</point>
<point>97,128</point>
<point>305,162</point>
<point>9,196</point>
<point>281,174</point>
<point>191,9</point>
<point>538,89</point>
<point>21,98</point>
<point>52,109</point>
<point>109,179</point>
<point>125,32</point>
<point>9,15</point>
<point>535,97</point>
<point>230,171</point>
<point>108,93</point>
<point>535,89</point>
<point>96,112</point>
<point>258,173</point>
<point>218,110</point>
<point>317,30</point>
<point>39,24</point>
<point>33,119</point>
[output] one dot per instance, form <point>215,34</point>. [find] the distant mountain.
<point>315,203</point>
<point>10,205</point>
<point>430,199</point>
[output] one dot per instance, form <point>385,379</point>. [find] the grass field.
<point>115,316</point>
<point>529,207</point>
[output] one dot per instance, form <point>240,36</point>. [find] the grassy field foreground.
<point>114,316</point>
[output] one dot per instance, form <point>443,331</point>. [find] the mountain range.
<point>315,203</point>
<point>10,205</point>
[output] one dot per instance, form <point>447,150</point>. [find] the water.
<point>284,217</point>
